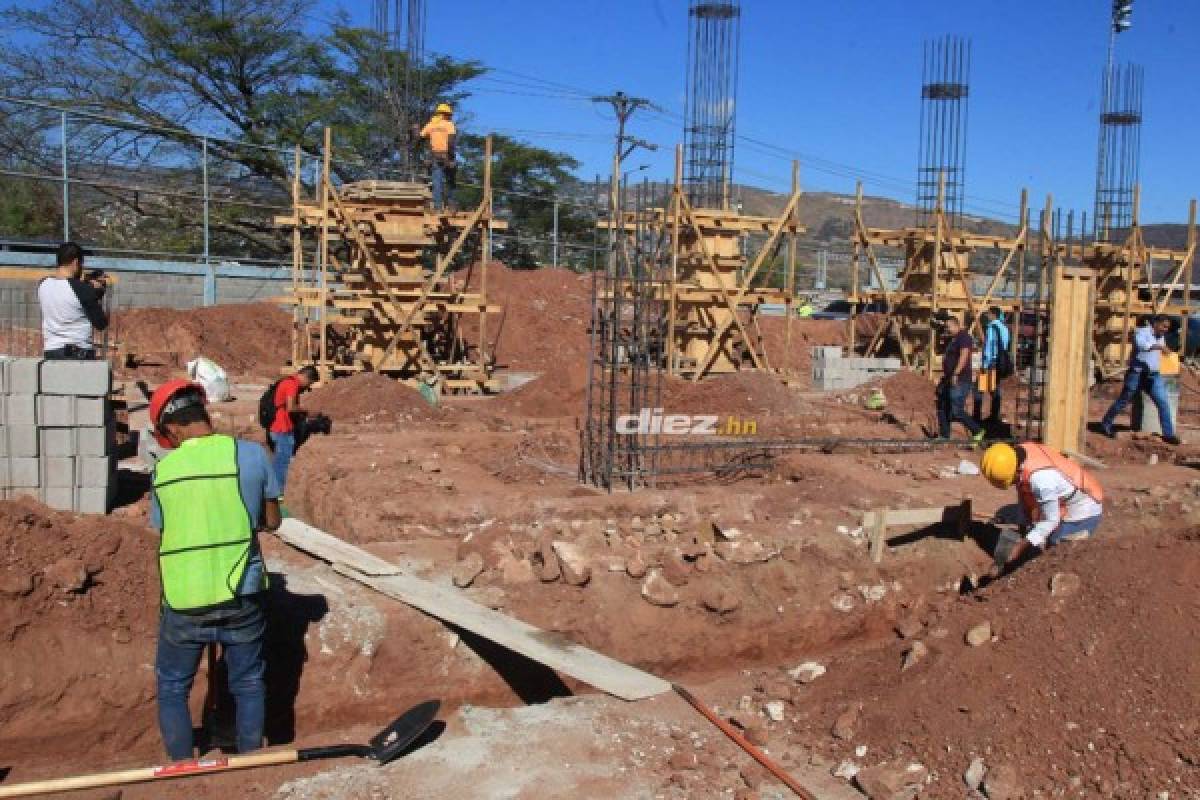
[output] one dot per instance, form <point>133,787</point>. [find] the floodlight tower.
<point>1118,154</point>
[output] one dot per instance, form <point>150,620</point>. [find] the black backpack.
<point>1004,361</point>
<point>267,407</point>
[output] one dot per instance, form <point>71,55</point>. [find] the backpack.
<point>1004,362</point>
<point>267,407</point>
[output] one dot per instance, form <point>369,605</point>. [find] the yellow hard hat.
<point>443,108</point>
<point>999,465</point>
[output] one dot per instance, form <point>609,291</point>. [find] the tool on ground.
<point>741,742</point>
<point>385,746</point>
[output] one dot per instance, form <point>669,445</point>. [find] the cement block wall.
<point>57,440</point>
<point>833,371</point>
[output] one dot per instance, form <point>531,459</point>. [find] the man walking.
<point>956,383</point>
<point>1143,375</point>
<point>288,415</point>
<point>72,307</point>
<point>211,494</point>
<point>441,133</point>
<point>996,340</point>
<point>1058,499</point>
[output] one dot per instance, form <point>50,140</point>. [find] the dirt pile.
<point>250,339</point>
<point>78,611</point>
<point>1077,685</point>
<point>738,392</point>
<point>806,333</point>
<point>369,397</point>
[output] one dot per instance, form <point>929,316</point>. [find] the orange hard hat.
<point>170,397</point>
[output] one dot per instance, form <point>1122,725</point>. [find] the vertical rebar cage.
<point>714,34</point>
<point>946,68</point>
<point>401,25</point>
<point>1119,156</point>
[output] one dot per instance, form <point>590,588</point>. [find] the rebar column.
<point>1119,153</point>
<point>945,70</point>
<point>714,34</point>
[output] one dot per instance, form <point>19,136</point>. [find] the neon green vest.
<point>207,533</point>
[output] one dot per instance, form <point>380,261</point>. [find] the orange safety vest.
<point>1039,457</point>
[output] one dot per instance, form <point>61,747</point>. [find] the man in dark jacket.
<point>72,307</point>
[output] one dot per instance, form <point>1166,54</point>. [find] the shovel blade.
<point>406,729</point>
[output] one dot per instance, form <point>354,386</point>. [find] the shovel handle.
<point>180,769</point>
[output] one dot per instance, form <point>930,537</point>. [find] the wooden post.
<point>854,279</point>
<point>879,535</point>
<point>672,307</point>
<point>1186,269</point>
<point>789,304</point>
<point>326,371</point>
<point>299,310</point>
<point>486,201</point>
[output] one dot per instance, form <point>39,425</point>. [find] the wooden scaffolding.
<point>936,278</point>
<point>380,290</point>
<point>714,293</point>
<point>1126,287</point>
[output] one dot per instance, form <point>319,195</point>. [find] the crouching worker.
<point>1058,499</point>
<point>211,493</point>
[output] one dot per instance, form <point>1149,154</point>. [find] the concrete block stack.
<point>833,371</point>
<point>57,440</point>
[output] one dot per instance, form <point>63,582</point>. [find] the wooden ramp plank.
<point>550,649</point>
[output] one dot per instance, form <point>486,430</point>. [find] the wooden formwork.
<point>380,293</point>
<point>712,290</point>
<point>1126,288</point>
<point>936,277</point>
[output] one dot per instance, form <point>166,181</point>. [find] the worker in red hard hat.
<point>211,494</point>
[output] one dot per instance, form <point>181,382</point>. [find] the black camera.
<point>312,424</point>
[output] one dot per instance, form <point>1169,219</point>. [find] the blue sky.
<point>839,81</point>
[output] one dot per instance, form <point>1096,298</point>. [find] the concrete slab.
<point>21,473</point>
<point>94,441</point>
<point>59,498</point>
<point>91,500</point>
<point>55,411</point>
<point>22,376</point>
<point>93,472</point>
<point>91,412</point>
<point>57,442</point>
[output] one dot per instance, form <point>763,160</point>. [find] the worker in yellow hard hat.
<point>441,134</point>
<point>1058,498</point>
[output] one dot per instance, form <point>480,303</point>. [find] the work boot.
<point>978,438</point>
<point>1175,440</point>
<point>1107,430</point>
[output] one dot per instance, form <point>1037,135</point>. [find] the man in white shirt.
<point>72,307</point>
<point>1149,344</point>
<point>1059,499</point>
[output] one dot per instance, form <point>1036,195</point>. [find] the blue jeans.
<point>1066,529</point>
<point>1139,378</point>
<point>181,641</point>
<point>284,446</point>
<point>444,179</point>
<point>952,407</point>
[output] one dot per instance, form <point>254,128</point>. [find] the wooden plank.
<point>911,516</point>
<point>1086,460</point>
<point>451,606</point>
<point>879,535</point>
<point>317,542</point>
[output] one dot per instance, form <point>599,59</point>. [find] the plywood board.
<point>1068,360</point>
<point>449,605</point>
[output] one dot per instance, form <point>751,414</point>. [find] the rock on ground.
<point>1003,783</point>
<point>466,571</point>
<point>658,591</point>
<point>895,780</point>
<point>573,563</point>
<point>979,634</point>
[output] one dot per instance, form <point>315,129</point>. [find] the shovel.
<point>385,746</point>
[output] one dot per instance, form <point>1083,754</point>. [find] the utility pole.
<point>623,107</point>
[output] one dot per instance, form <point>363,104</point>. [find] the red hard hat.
<point>160,402</point>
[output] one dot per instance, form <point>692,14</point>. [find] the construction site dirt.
<point>758,594</point>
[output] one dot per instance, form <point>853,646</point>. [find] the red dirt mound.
<point>369,397</point>
<point>806,333</point>
<point>1079,686</point>
<point>251,339</point>
<point>739,392</point>
<point>545,320</point>
<point>78,610</point>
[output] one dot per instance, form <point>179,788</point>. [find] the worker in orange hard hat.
<point>441,133</point>
<point>1059,499</point>
<point>211,494</point>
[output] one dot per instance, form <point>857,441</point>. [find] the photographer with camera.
<point>72,309</point>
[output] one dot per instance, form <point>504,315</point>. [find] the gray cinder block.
<point>21,473</point>
<point>93,472</point>
<point>58,472</point>
<point>55,411</point>
<point>57,441</point>
<point>19,440</point>
<point>22,376</point>
<point>94,441</point>
<point>91,500</point>
<point>59,498</point>
<point>91,412</point>
<point>20,409</point>
<point>82,378</point>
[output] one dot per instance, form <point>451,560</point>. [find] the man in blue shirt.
<point>1148,346</point>
<point>996,340</point>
